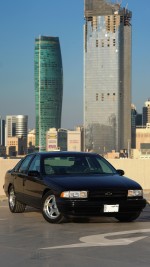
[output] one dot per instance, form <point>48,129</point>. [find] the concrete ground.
<point>27,240</point>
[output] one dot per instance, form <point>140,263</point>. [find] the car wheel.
<point>128,217</point>
<point>15,206</point>
<point>49,209</point>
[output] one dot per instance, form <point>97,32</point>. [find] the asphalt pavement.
<point>27,240</point>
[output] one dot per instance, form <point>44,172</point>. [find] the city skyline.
<point>20,23</point>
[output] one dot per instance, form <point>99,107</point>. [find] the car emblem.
<point>108,194</point>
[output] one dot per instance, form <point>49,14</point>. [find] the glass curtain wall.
<point>48,72</point>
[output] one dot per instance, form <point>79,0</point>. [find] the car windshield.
<point>59,165</point>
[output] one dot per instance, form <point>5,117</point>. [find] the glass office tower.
<point>17,125</point>
<point>107,76</point>
<point>146,113</point>
<point>48,75</point>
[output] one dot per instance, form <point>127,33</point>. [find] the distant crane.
<point>126,6</point>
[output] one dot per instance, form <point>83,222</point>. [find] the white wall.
<point>5,164</point>
<point>136,169</point>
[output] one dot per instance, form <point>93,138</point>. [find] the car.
<point>63,184</point>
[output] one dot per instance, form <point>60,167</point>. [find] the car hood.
<point>93,182</point>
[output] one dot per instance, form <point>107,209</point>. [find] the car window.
<point>59,161</point>
<point>16,168</point>
<point>63,164</point>
<point>35,164</point>
<point>24,166</point>
<point>94,164</point>
<point>106,167</point>
<point>77,164</point>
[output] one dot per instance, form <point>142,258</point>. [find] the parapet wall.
<point>137,169</point>
<point>5,164</point>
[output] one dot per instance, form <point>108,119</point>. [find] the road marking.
<point>102,240</point>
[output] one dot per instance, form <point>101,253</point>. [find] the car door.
<point>33,184</point>
<point>20,175</point>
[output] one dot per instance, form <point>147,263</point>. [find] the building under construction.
<point>107,75</point>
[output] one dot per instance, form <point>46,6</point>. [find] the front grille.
<point>108,194</point>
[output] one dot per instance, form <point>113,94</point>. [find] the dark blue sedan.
<point>63,184</point>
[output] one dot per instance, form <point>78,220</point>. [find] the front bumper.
<point>96,208</point>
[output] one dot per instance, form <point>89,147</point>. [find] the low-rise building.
<point>143,141</point>
<point>2,151</point>
<point>16,146</point>
<point>31,140</point>
<point>52,140</point>
<point>63,139</point>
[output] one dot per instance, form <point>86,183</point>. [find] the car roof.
<point>64,153</point>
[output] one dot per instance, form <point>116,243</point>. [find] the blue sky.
<point>23,20</point>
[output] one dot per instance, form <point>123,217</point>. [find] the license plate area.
<point>111,208</point>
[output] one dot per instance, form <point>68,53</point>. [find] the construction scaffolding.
<point>102,7</point>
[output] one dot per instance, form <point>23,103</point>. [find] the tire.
<point>15,206</point>
<point>128,217</point>
<point>49,209</point>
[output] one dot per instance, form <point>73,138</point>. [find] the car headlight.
<point>74,194</point>
<point>135,193</point>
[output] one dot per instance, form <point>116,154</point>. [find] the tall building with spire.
<point>48,76</point>
<point>107,76</point>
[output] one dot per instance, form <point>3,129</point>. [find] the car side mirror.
<point>34,173</point>
<point>120,172</point>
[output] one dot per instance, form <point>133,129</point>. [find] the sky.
<point>21,21</point>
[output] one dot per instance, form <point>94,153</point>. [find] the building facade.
<point>2,132</point>
<point>146,113</point>
<point>133,126</point>
<point>143,141</point>
<point>64,140</point>
<point>31,141</point>
<point>17,127</point>
<point>52,140</point>
<point>10,126</point>
<point>48,73</point>
<point>107,76</point>
<point>139,122</point>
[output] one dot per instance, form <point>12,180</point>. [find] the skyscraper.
<point>146,113</point>
<point>16,132</point>
<point>48,75</point>
<point>17,125</point>
<point>107,76</point>
<point>2,132</point>
<point>22,126</point>
<point>133,126</point>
